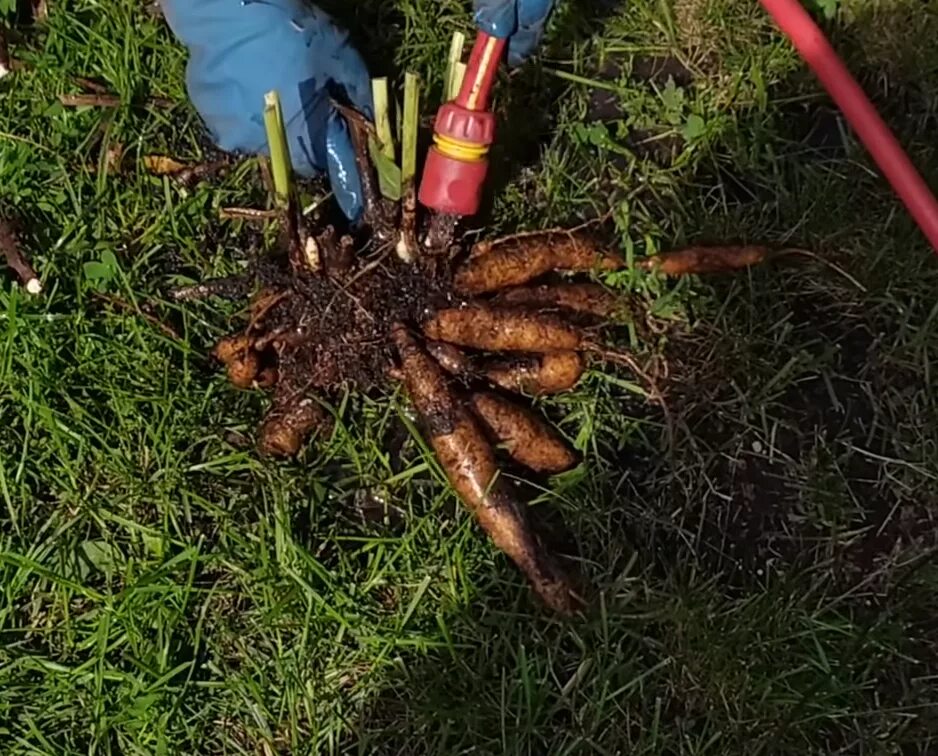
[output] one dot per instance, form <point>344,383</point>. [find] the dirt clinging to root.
<point>340,327</point>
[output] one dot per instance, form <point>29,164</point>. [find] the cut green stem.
<point>459,75</point>
<point>456,48</point>
<point>409,128</point>
<point>379,92</point>
<point>280,163</point>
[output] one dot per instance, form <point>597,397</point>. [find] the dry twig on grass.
<point>98,99</point>
<point>16,260</point>
<point>247,214</point>
<point>231,287</point>
<point>5,65</point>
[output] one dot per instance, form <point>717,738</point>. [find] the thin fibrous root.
<point>135,309</point>
<point>468,460</point>
<point>525,437</point>
<point>16,260</point>
<point>655,393</point>
<point>517,260</point>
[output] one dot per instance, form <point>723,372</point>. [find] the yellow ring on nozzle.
<point>457,149</point>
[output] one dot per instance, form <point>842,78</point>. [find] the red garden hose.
<point>810,42</point>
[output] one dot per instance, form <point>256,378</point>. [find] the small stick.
<point>5,65</point>
<point>230,287</point>
<point>248,214</point>
<point>103,100</point>
<point>91,85</point>
<point>16,260</point>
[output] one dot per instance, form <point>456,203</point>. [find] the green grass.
<point>766,586</point>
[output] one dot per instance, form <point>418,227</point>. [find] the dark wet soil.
<point>337,328</point>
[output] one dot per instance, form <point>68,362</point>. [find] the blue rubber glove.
<point>241,49</point>
<point>522,21</point>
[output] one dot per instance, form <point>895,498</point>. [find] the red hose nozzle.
<point>457,164</point>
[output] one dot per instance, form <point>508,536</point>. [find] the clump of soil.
<point>338,329</point>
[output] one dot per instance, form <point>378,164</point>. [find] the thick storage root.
<point>499,329</point>
<point>527,439</point>
<point>288,425</point>
<point>581,298</point>
<point>517,260</point>
<point>528,374</point>
<point>240,359</point>
<point>698,260</point>
<point>469,462</point>
<point>537,374</point>
<point>451,359</point>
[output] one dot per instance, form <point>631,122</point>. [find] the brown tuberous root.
<point>589,299</point>
<point>517,260</point>
<point>500,329</point>
<point>336,312</point>
<point>468,460</point>
<point>537,375</point>
<point>525,437</point>
<point>701,260</point>
<point>289,424</point>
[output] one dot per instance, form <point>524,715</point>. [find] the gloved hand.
<point>241,49</point>
<point>520,20</point>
